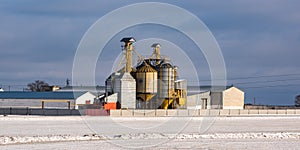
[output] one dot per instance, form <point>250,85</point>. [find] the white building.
<point>70,100</point>
<point>217,98</point>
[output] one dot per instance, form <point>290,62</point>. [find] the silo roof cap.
<point>128,39</point>
<point>155,45</point>
<point>146,68</point>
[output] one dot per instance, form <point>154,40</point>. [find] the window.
<point>204,103</point>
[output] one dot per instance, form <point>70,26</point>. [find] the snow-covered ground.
<point>75,132</point>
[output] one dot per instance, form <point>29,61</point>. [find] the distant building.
<point>50,88</point>
<point>93,89</point>
<point>70,100</point>
<point>215,98</point>
<point>199,97</point>
<point>297,100</point>
<point>55,88</point>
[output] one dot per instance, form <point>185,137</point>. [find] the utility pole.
<point>254,100</point>
<point>67,82</point>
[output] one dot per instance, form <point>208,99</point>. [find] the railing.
<point>38,111</point>
<point>204,112</point>
<point>151,113</point>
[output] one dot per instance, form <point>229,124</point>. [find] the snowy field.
<point>75,132</point>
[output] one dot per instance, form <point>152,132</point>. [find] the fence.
<point>151,113</point>
<point>203,113</point>
<point>53,112</point>
<point>38,111</point>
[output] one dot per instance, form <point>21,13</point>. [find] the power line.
<point>268,76</point>
<point>267,86</point>
<point>250,77</point>
<point>268,81</point>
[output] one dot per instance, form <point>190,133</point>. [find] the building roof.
<point>92,89</point>
<point>40,95</point>
<point>101,89</point>
<point>191,90</point>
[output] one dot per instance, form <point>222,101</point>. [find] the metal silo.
<point>146,85</point>
<point>146,81</point>
<point>181,92</point>
<point>166,84</point>
<point>109,86</point>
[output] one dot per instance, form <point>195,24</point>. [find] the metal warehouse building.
<point>215,98</point>
<point>70,100</point>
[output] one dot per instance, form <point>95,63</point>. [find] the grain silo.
<point>146,85</point>
<point>150,84</point>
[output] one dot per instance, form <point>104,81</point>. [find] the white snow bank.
<point>280,135</point>
<point>50,138</point>
<point>192,136</point>
<point>40,118</point>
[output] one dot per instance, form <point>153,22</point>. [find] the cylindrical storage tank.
<point>181,84</point>
<point>175,73</point>
<point>109,85</point>
<point>116,85</point>
<point>166,80</point>
<point>146,81</point>
<point>181,91</point>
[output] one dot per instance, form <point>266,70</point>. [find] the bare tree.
<point>38,86</point>
<point>297,100</point>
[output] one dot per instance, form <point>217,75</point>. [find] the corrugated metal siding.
<point>40,95</point>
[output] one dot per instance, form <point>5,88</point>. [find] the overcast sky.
<point>259,39</point>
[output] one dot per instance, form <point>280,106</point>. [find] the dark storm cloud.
<point>259,34</point>
<point>38,38</point>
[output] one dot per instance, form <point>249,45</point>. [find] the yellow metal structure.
<point>181,97</point>
<point>169,101</point>
<point>166,103</point>
<point>128,48</point>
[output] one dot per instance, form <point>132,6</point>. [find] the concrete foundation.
<point>244,112</point>
<point>139,113</point>
<point>224,112</point>
<point>214,112</point>
<point>203,112</point>
<point>263,111</point>
<point>281,112</point>
<point>150,113</point>
<point>171,112</point>
<point>193,112</point>
<point>272,112</point>
<point>234,112</point>
<point>127,113</point>
<point>253,112</point>
<point>161,113</point>
<point>182,113</point>
<point>298,111</point>
<point>291,112</point>
<point>115,113</point>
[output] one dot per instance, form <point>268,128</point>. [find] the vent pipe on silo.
<point>128,48</point>
<point>156,47</point>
